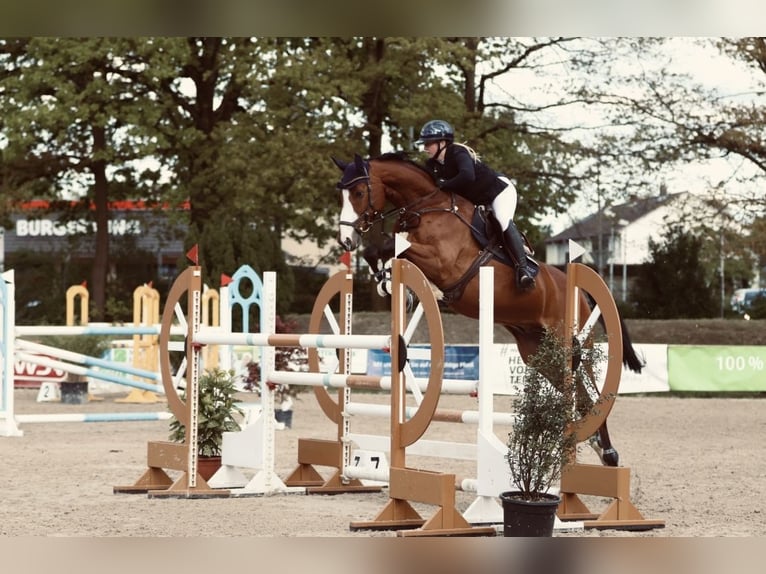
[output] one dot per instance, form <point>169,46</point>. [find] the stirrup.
<point>525,280</point>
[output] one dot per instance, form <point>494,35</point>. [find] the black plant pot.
<point>528,517</point>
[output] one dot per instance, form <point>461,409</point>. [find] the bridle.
<point>408,217</point>
<point>370,215</point>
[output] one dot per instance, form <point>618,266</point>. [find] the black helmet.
<point>436,130</point>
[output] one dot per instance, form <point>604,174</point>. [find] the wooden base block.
<point>181,489</point>
<point>605,481</point>
<point>152,479</point>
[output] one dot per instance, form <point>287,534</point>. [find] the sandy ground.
<point>697,464</point>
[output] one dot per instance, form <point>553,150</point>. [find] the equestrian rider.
<point>457,168</point>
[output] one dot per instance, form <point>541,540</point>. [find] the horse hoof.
<point>610,457</point>
<point>384,288</point>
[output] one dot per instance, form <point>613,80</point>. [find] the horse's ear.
<point>359,163</point>
<point>341,164</point>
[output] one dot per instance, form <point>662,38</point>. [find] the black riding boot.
<point>515,247</point>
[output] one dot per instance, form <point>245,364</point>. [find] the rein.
<point>371,216</point>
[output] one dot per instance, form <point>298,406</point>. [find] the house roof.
<point>599,223</point>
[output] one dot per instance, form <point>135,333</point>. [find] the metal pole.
<point>624,266</point>
<point>722,277</point>
<point>611,260</point>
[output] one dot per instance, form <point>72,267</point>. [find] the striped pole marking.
<point>92,417</point>
<point>309,341</point>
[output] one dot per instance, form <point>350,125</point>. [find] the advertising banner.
<point>653,377</point>
<point>460,362</point>
<point>717,368</point>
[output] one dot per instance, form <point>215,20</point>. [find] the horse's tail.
<point>629,356</point>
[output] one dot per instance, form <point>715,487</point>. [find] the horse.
<point>446,239</point>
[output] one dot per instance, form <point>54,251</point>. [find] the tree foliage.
<point>241,130</point>
<point>673,284</point>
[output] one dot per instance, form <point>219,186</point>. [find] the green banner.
<point>716,368</point>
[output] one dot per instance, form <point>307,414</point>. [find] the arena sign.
<point>42,227</point>
<point>26,374</point>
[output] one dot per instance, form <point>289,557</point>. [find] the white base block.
<point>49,392</point>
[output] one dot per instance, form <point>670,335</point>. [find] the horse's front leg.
<point>377,256</point>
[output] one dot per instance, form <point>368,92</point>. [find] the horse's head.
<point>360,204</point>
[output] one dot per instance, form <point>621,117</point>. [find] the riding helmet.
<point>436,130</point>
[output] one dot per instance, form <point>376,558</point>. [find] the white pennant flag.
<point>400,244</point>
<point>575,250</point>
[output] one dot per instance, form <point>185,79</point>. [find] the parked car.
<point>743,299</point>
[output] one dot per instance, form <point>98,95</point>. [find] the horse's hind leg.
<point>601,443</point>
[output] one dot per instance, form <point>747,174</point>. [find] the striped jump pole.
<point>365,382</point>
<point>92,417</point>
<point>103,329</point>
<point>85,371</point>
<point>40,351</point>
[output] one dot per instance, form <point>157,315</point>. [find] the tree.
<point>72,120</point>
<point>248,126</point>
<point>673,284</point>
<point>676,118</point>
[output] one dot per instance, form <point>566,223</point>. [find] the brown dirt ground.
<point>695,463</point>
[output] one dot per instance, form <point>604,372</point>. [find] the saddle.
<point>486,233</point>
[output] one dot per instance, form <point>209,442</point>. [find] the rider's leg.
<point>504,208</point>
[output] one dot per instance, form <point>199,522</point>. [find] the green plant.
<point>217,408</point>
<point>543,437</point>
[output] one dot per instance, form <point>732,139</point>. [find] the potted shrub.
<point>542,440</point>
<point>217,408</point>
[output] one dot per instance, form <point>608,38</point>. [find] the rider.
<point>456,167</point>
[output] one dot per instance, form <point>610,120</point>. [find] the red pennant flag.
<point>346,259</point>
<point>193,254</point>
<point>225,280</point>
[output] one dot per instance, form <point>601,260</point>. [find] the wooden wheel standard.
<point>597,480</point>
<point>183,457</point>
<point>333,314</point>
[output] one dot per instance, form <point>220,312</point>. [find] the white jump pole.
<point>371,382</point>
<point>266,479</point>
<point>8,425</point>
<point>493,474</point>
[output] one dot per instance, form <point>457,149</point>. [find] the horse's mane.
<point>403,156</point>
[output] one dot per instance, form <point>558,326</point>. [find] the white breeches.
<point>504,205</point>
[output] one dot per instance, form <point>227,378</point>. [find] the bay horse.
<point>444,233</point>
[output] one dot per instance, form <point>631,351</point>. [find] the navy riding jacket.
<point>466,176</point>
